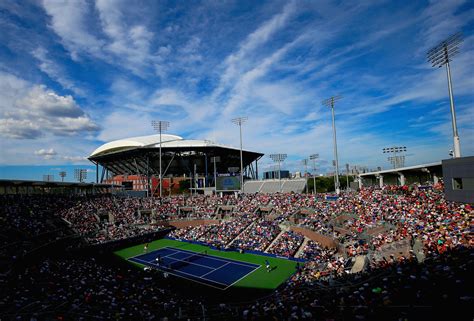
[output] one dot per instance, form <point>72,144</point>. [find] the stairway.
<point>300,250</point>
<point>360,263</point>
<point>245,229</point>
<point>273,242</point>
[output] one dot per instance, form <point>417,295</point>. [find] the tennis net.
<point>186,261</point>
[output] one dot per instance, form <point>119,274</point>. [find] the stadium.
<point>251,206</point>
<point>202,161</point>
<point>87,251</point>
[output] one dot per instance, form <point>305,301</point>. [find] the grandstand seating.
<point>253,186</point>
<point>270,186</point>
<point>273,186</point>
<point>383,233</point>
<point>293,185</point>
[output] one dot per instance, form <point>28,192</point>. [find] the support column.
<point>256,169</point>
<point>435,179</point>
<point>359,180</point>
<point>380,177</point>
<point>402,179</point>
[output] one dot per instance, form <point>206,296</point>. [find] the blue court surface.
<point>210,270</point>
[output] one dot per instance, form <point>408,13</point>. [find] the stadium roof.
<point>139,155</point>
<point>132,142</point>
<point>403,169</point>
<point>167,141</point>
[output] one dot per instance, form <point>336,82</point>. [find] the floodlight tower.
<point>62,175</point>
<point>441,55</point>
<point>239,121</point>
<point>305,163</point>
<point>278,158</point>
<point>330,103</point>
<point>215,159</point>
<point>398,158</point>
<point>347,177</point>
<point>80,174</point>
<point>160,126</point>
<point>314,157</point>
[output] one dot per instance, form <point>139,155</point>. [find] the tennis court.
<point>218,272</point>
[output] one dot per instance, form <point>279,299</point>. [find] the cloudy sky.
<point>76,74</point>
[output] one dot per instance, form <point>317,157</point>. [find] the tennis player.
<point>267,264</point>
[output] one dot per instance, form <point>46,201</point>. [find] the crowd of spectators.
<point>363,223</point>
<point>85,288</point>
<point>287,244</point>
<point>258,237</point>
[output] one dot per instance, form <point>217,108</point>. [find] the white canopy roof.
<point>167,140</point>
<point>133,142</point>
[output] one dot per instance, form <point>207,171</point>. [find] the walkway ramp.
<point>359,265</point>
<point>274,241</point>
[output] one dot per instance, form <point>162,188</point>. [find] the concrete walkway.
<point>273,242</point>
<point>300,250</point>
<point>248,227</point>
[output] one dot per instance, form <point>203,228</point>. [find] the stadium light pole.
<point>62,175</point>
<point>347,177</point>
<point>441,55</point>
<point>396,160</point>
<point>305,163</point>
<point>314,157</point>
<point>160,126</point>
<point>330,103</point>
<point>215,159</point>
<point>239,121</point>
<point>80,174</point>
<point>278,158</point>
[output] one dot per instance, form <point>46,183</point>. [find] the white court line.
<point>132,257</point>
<point>243,277</point>
<point>215,269</point>
<point>210,256</point>
<point>174,259</point>
<point>206,266</point>
<point>193,275</point>
<point>228,261</point>
<point>252,265</point>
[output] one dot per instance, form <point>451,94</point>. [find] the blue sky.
<point>76,74</point>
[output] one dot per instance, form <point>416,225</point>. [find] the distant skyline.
<point>77,74</point>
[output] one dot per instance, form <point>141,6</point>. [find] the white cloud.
<point>129,43</point>
<point>55,72</point>
<point>127,46</point>
<point>75,159</point>
<point>31,111</point>
<point>69,21</point>
<point>120,124</point>
<point>235,62</point>
<point>441,19</point>
<point>274,68</point>
<point>46,153</point>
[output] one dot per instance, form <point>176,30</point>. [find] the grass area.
<point>261,279</point>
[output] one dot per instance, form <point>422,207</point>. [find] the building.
<point>138,157</point>
<point>420,174</point>
<point>458,175</point>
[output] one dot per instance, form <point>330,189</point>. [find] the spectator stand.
<point>148,215</point>
<point>186,211</point>
<point>233,249</point>
<point>267,211</point>
<point>224,211</point>
<point>301,214</point>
